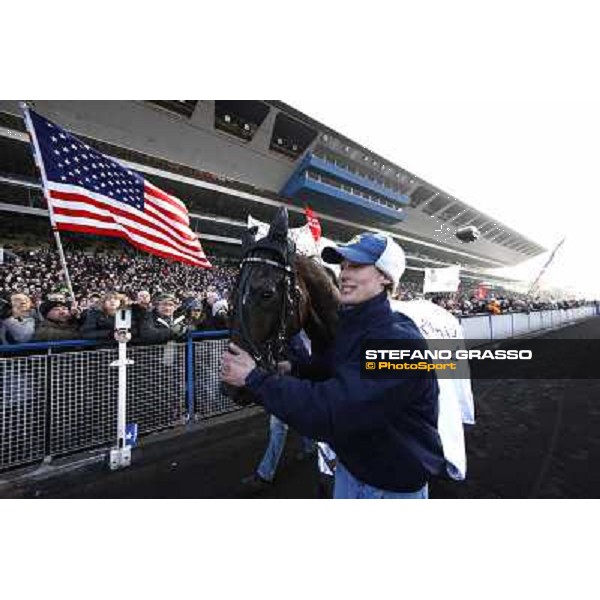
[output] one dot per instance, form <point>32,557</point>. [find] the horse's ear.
<point>278,231</point>
<point>248,238</point>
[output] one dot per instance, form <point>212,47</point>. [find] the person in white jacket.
<point>456,405</point>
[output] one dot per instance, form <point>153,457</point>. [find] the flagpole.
<point>550,259</point>
<point>36,153</point>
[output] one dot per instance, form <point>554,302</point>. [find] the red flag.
<point>482,291</point>
<point>88,192</point>
<point>313,223</point>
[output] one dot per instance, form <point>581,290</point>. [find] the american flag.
<point>91,193</point>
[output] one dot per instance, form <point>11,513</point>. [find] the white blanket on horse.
<point>456,397</point>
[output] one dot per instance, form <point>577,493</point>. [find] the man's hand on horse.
<point>236,366</point>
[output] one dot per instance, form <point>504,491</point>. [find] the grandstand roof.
<point>231,158</point>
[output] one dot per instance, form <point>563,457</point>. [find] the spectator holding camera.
<point>161,325</point>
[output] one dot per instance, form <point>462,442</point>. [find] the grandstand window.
<point>420,195</point>
<point>466,216</point>
<point>295,136</point>
<point>501,238</point>
<point>185,108</point>
<point>240,118</point>
<point>479,222</point>
<point>13,193</point>
<point>490,233</point>
<point>435,205</point>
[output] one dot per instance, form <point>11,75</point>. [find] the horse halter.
<point>271,351</point>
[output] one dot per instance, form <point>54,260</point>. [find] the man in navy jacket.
<point>382,430</point>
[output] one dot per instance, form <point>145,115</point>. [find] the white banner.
<point>441,280</point>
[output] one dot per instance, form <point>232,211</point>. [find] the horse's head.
<point>265,302</point>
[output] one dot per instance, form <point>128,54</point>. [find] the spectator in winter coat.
<point>99,323</point>
<point>20,326</point>
<point>58,323</point>
<point>161,326</point>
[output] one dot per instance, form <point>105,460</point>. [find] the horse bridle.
<point>273,350</point>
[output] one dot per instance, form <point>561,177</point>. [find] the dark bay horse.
<point>277,294</point>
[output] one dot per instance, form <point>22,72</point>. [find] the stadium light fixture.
<point>227,119</point>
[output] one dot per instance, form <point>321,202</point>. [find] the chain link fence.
<point>23,410</point>
<point>209,400</point>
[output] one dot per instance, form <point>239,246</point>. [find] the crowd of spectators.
<point>168,300</point>
<point>462,305</point>
<point>37,273</point>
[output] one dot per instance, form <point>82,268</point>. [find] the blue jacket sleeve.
<point>337,407</point>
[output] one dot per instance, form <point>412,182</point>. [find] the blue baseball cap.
<point>370,249</point>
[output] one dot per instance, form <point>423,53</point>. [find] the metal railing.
<point>61,397</point>
<point>499,327</point>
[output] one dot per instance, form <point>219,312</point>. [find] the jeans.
<point>277,436</point>
<point>349,487</point>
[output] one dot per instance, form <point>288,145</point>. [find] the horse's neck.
<point>319,314</point>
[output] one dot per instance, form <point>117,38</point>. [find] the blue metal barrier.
<point>60,397</point>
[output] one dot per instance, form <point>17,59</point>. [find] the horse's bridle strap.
<point>266,261</point>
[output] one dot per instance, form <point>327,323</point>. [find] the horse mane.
<point>323,298</point>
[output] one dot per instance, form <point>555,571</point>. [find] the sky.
<point>496,104</point>
<point>503,116</point>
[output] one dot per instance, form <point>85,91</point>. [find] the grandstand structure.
<point>228,159</point>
